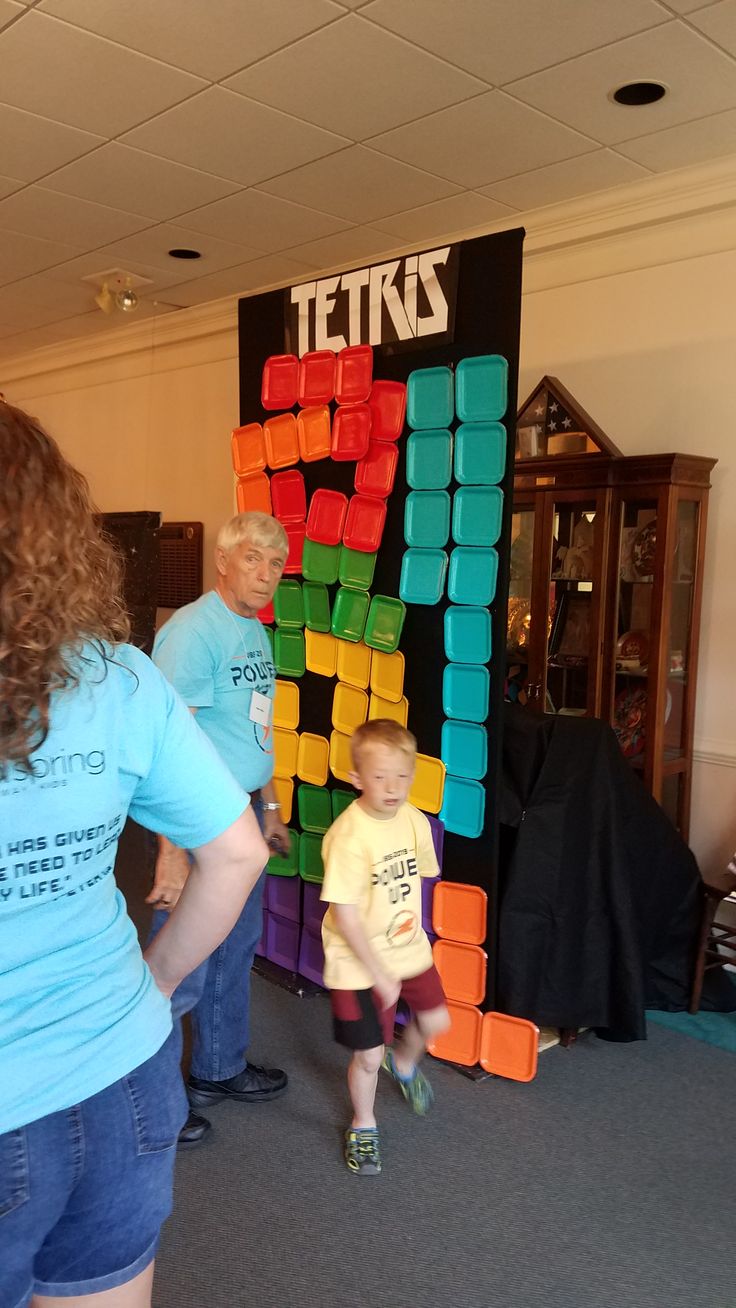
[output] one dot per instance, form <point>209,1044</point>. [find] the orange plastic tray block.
<point>461,1044</point>
<point>286,705</point>
<point>314,432</point>
<point>509,1046</point>
<point>387,675</point>
<point>284,791</point>
<point>354,663</point>
<point>341,764</point>
<point>460,912</point>
<point>462,970</point>
<point>253,494</point>
<point>285,749</point>
<point>397,711</point>
<point>248,449</point>
<point>282,445</point>
<point>349,708</point>
<point>428,786</point>
<point>314,758</point>
<point>321,652</point>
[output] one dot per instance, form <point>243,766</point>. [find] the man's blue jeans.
<point>217,993</point>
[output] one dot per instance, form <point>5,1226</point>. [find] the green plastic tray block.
<point>269,633</point>
<point>314,807</point>
<point>320,562</point>
<point>341,799</point>
<point>289,653</point>
<point>288,605</point>
<point>356,569</point>
<point>384,623</point>
<point>311,867</point>
<point>316,605</point>
<point>286,865</point>
<point>349,613</point>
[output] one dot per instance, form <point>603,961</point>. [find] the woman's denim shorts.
<point>83,1192</point>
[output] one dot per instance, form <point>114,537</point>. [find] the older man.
<point>217,655</point>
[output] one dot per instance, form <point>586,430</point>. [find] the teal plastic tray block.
<point>316,605</point>
<point>464,749</point>
<point>320,562</point>
<point>473,575</point>
<point>356,568</point>
<point>467,634</point>
<point>385,623</point>
<point>476,515</point>
<point>286,865</point>
<point>430,398</point>
<point>427,519</point>
<point>314,807</point>
<point>288,605</point>
<point>349,612</point>
<point>423,576</point>
<point>429,459</point>
<point>341,799</point>
<point>289,653</point>
<point>481,388</point>
<point>463,807</point>
<point>480,453</point>
<point>465,689</point>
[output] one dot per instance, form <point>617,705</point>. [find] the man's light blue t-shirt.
<point>78,1006</point>
<point>216,660</point>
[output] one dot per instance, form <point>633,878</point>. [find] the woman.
<point>92,1099</point>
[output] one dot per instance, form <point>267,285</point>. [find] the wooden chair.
<point>716,940</point>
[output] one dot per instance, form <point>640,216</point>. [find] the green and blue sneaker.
<point>362,1154</point>
<point>416,1088</point>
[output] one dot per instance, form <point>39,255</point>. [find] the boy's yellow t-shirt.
<point>377,865</point>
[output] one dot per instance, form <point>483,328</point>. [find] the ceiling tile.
<point>353,4</point>
<point>52,216</point>
<point>93,323</point>
<point>153,245</point>
<point>689,143</point>
<point>357,75</point>
<point>236,33</point>
<point>700,80</point>
<point>263,220</point>
<point>223,133</point>
<point>106,259</point>
<point>22,255</point>
<point>8,11</point>
<point>719,23</point>
<point>346,247</point>
<point>687,6</point>
<point>31,146</point>
<point>84,80</point>
<point>250,277</point>
<point>491,39</point>
<point>359,185</point>
<point>8,185</point>
<point>514,140</point>
<point>138,182</point>
<point>455,214</point>
<point>589,172</point>
<point>34,301</point>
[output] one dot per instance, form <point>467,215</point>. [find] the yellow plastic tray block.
<point>284,788</point>
<point>341,763</point>
<point>349,708</point>
<point>387,675</point>
<point>285,749</point>
<point>314,758</point>
<point>286,705</point>
<point>354,663</point>
<point>384,708</point>
<point>428,785</point>
<point>321,652</point>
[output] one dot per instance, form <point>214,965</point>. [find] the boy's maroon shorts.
<point>360,1022</point>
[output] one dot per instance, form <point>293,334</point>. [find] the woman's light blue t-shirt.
<point>78,1006</point>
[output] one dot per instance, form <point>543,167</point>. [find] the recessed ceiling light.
<point>638,93</point>
<point>185,254</point>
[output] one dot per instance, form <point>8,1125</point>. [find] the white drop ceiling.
<point>286,138</point>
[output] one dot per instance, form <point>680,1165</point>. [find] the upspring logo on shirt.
<point>53,770</point>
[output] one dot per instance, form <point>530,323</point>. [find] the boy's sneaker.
<point>362,1154</point>
<point>416,1089</point>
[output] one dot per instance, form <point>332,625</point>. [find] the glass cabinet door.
<point>679,655</point>
<point>573,603</point>
<point>519,622</point>
<point>633,633</point>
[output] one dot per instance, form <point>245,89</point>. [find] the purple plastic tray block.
<point>311,956</point>
<point>438,836</point>
<point>283,897</point>
<point>282,941</point>
<point>261,946</point>
<point>313,908</point>
<point>428,885</point>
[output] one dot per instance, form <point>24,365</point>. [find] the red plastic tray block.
<point>253,494</point>
<point>375,473</point>
<point>249,449</point>
<point>280,382</point>
<point>388,409</point>
<point>313,431</point>
<point>296,532</point>
<point>289,496</point>
<point>267,615</point>
<point>351,430</point>
<point>365,523</point>
<point>354,374</point>
<point>317,377</point>
<point>326,518</point>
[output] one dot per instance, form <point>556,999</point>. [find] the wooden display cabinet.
<point>606,585</point>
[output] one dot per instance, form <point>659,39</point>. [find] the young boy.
<point>375,949</point>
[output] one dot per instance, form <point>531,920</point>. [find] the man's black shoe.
<point>193,1131</point>
<point>251,1086</point>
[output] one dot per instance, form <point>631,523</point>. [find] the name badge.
<point>260,709</point>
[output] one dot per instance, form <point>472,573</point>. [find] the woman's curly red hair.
<point>60,581</point>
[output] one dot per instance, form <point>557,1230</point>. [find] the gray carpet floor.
<point>604,1183</point>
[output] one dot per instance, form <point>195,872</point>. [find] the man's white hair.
<point>258,528</point>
